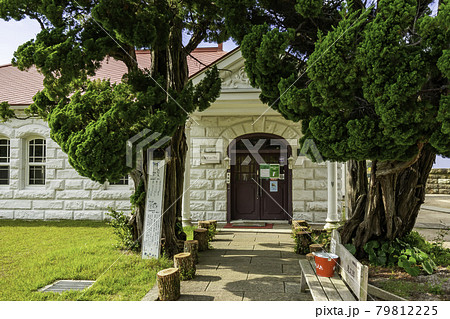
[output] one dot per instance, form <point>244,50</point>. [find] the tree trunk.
<point>201,235</point>
<point>390,207</point>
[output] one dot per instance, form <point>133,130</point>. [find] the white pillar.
<point>186,212</point>
<point>332,213</point>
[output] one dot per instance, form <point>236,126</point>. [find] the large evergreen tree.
<point>373,87</point>
<point>92,120</point>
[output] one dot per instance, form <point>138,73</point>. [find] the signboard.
<point>209,158</point>
<point>274,170</point>
<point>273,186</point>
<point>151,239</point>
<point>269,171</point>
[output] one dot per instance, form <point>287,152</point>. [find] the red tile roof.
<point>18,87</point>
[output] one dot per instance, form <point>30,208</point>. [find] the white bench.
<point>349,282</point>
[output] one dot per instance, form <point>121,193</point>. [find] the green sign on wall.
<point>268,171</point>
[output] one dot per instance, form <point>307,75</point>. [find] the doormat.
<point>266,226</point>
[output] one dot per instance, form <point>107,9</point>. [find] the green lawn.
<point>34,254</point>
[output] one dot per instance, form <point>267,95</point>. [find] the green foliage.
<point>138,198</point>
<point>6,112</point>
<point>34,254</point>
<point>189,231</point>
<point>92,120</point>
<point>367,84</point>
<point>120,223</point>
<point>412,253</point>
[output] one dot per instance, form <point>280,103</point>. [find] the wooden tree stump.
<point>310,256</point>
<point>300,228</point>
<point>168,284</point>
<point>201,235</point>
<point>297,223</point>
<point>302,240</point>
<point>204,224</point>
<point>315,247</point>
<point>185,263</point>
<point>191,246</point>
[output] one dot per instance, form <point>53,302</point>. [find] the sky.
<point>13,34</point>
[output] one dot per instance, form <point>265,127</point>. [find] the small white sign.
<point>273,186</point>
<point>209,158</point>
<point>151,240</point>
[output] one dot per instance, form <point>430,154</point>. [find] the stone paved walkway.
<point>247,266</point>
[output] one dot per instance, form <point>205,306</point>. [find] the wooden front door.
<point>253,197</point>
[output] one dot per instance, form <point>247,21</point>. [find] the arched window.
<point>36,161</point>
<point>5,155</point>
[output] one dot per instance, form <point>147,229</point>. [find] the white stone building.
<point>223,180</point>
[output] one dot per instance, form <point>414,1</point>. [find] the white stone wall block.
<point>14,152</point>
<point>6,214</point>
<point>58,214</point>
<point>197,195</point>
<point>298,206</point>
<point>55,184</point>
<point>220,205</point>
<point>313,184</point>
<point>202,184</point>
<point>208,121</point>
<point>290,133</point>
<point>73,204</point>
<point>61,154</point>
<point>321,173</point>
<point>304,173</point>
<point>303,216</point>
<point>298,184</point>
<point>29,214</point>
<point>51,153</point>
<point>90,215</point>
<point>197,173</point>
<point>220,184</point>
<point>112,194</point>
<point>219,216</point>
<point>216,195</point>
<point>123,205</point>
<point>6,194</point>
<point>201,205</point>
<point>229,120</point>
<point>67,174</point>
<point>238,130</point>
<point>195,216</point>
<point>14,184</point>
<point>214,131</point>
<point>320,217</point>
<point>48,204</point>
<point>216,173</point>
<point>197,131</point>
<point>32,130</point>
<point>98,205</point>
<point>248,128</point>
<point>14,163</point>
<point>14,173</point>
<point>89,185</point>
<point>35,194</point>
<point>305,195</point>
<point>14,142</point>
<point>50,173</point>
<point>317,206</point>
<point>74,184</point>
<point>321,195</point>
<point>55,163</point>
<point>73,194</point>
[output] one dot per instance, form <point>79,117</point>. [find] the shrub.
<point>120,223</point>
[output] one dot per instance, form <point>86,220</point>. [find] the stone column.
<point>332,213</point>
<point>186,213</point>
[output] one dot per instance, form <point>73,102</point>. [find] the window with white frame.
<point>36,161</point>
<point>122,181</point>
<point>5,156</point>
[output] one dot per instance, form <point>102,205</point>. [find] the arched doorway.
<point>252,194</point>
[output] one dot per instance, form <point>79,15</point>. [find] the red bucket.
<point>325,263</point>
